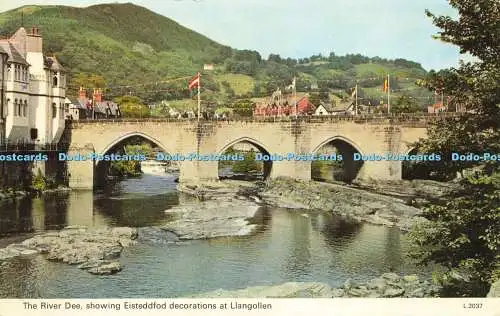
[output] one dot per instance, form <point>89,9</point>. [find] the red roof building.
<point>304,107</point>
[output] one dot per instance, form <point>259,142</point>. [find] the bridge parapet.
<point>361,119</point>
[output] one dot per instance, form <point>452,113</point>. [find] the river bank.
<point>21,194</point>
<point>388,285</point>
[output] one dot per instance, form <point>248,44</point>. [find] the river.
<point>292,247</point>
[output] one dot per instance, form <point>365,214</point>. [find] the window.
<point>6,110</point>
<point>25,108</point>
<point>15,107</point>
<point>61,110</point>
<point>54,110</point>
<point>66,108</point>
<point>54,79</point>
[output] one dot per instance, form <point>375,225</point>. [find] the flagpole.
<point>388,95</point>
<point>356,109</point>
<point>199,97</point>
<point>295,98</point>
<point>442,100</point>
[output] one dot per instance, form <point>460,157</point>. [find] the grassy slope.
<point>241,84</point>
<point>106,39</point>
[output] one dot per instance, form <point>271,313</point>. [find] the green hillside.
<point>124,43</point>
<point>130,50</point>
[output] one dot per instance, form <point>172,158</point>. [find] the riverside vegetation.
<point>32,185</point>
<point>462,231</point>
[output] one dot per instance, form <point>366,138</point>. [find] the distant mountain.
<point>130,45</point>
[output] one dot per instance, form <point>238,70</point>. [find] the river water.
<point>291,247</point>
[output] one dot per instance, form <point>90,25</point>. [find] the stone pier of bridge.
<point>270,137</point>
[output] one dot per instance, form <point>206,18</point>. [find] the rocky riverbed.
<point>345,201</point>
<point>415,193</point>
<point>352,203</point>
<point>388,285</point>
<point>227,215</point>
<point>94,250</point>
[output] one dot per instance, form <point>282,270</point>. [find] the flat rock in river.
<point>89,248</point>
<point>342,200</point>
<point>225,216</point>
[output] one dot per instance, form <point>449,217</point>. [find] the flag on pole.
<point>353,92</point>
<point>194,82</point>
<point>386,85</point>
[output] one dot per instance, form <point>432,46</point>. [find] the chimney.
<point>34,41</point>
<point>82,94</point>
<point>97,95</point>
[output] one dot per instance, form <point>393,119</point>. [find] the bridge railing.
<point>32,147</point>
<point>308,118</point>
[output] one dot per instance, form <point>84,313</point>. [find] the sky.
<point>301,28</point>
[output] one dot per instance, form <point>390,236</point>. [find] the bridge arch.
<point>424,170</point>
<point>345,170</point>
<point>134,134</point>
<point>101,166</point>
<point>338,137</point>
<point>267,165</point>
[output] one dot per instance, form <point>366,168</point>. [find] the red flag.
<point>194,82</point>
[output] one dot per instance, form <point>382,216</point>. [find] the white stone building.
<point>35,90</point>
<point>3,66</point>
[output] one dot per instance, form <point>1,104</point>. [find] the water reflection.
<point>135,202</point>
<point>298,261</point>
<point>335,229</point>
<point>393,251</point>
<point>135,212</point>
<point>55,212</point>
<point>291,247</point>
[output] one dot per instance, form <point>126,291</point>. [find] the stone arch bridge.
<point>306,135</point>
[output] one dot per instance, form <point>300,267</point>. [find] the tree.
<point>87,81</point>
<point>248,164</point>
<point>463,234</point>
<point>275,58</point>
<point>405,104</point>
<point>132,106</point>
<point>243,107</point>
<point>315,99</point>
